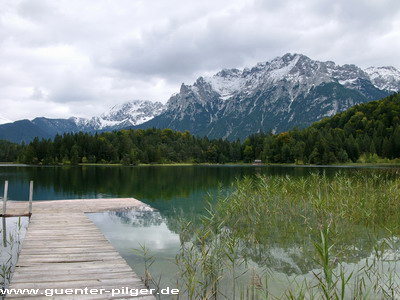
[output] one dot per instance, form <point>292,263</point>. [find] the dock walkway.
<point>63,249</point>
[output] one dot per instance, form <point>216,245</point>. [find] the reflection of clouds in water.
<point>282,259</point>
<point>291,260</point>
<point>294,261</point>
<point>142,216</point>
<point>130,228</point>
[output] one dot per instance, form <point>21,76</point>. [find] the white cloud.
<point>79,57</point>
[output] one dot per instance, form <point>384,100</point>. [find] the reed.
<point>319,214</point>
<point>10,250</point>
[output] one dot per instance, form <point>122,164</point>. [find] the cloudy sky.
<point>61,58</point>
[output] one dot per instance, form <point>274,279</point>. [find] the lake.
<point>175,192</point>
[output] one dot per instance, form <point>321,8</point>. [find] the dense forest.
<point>130,147</point>
<point>9,152</point>
<point>367,132</point>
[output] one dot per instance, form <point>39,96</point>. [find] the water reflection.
<point>128,230</point>
<point>288,259</point>
<point>13,231</point>
<point>150,183</point>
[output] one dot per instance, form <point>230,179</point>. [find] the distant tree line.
<point>130,147</point>
<point>9,152</point>
<point>368,132</point>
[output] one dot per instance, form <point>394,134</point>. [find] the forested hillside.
<point>367,132</point>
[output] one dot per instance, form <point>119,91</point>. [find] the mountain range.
<point>292,90</point>
<point>118,117</point>
<point>286,92</point>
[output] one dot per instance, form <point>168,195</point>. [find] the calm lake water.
<point>174,192</point>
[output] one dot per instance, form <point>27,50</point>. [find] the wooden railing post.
<point>4,213</point>
<point>5,197</point>
<point>30,197</point>
<point>4,232</point>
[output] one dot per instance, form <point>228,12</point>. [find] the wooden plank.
<point>61,244</point>
<point>65,236</point>
<point>28,277</point>
<point>61,229</point>
<point>34,250</point>
<point>72,283</point>
<point>71,256</point>
<point>108,263</point>
<point>37,251</point>
<point>49,267</point>
<point>59,248</point>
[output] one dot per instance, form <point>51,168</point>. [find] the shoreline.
<point>349,165</point>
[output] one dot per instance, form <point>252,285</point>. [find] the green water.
<point>156,185</point>
<point>174,192</point>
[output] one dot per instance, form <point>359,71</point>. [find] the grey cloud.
<point>209,42</point>
<point>72,54</point>
<point>37,94</point>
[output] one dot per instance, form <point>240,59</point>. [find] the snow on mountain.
<point>227,82</point>
<point>292,90</point>
<point>135,112</point>
<point>385,78</point>
<point>299,71</point>
<point>121,115</point>
<point>4,120</point>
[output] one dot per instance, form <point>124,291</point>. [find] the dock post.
<point>4,232</point>
<point>4,213</point>
<point>5,197</point>
<point>30,197</point>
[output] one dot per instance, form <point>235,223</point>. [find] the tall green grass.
<point>228,254</point>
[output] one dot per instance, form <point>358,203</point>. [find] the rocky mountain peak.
<point>122,115</point>
<point>291,90</point>
<point>386,78</point>
<point>229,73</point>
<point>136,111</point>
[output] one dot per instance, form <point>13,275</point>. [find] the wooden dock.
<point>63,249</point>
